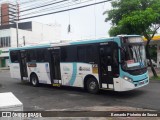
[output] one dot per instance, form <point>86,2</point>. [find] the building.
<point>29,33</point>
<point>9,12</point>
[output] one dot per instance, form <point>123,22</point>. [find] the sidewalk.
<point>150,72</point>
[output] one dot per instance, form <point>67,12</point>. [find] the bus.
<point>116,63</point>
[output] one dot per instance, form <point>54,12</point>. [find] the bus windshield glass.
<point>133,54</point>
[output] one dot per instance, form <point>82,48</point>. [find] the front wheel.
<point>92,86</point>
<point>34,80</point>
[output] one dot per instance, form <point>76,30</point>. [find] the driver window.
<point>115,63</point>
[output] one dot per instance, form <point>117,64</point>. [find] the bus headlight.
<point>127,79</point>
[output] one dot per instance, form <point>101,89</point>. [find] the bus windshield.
<point>133,56</point>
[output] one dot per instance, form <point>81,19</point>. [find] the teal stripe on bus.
<point>74,73</point>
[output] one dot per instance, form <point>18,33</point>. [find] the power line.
<point>66,10</point>
<point>44,5</point>
<point>7,7</point>
<point>36,4</point>
<point>29,1</point>
<point>43,9</point>
<point>49,9</point>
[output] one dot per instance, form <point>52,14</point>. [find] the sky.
<point>85,23</point>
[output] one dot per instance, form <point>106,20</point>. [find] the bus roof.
<point>78,42</point>
<point>32,46</point>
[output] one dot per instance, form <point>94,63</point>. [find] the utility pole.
<point>17,33</point>
<point>24,42</point>
<point>17,12</point>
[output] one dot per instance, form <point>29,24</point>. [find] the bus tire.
<point>92,85</point>
<point>34,80</point>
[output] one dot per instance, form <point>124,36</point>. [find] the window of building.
<point>5,42</point>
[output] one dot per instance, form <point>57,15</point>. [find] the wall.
<point>50,33</point>
<point>40,33</point>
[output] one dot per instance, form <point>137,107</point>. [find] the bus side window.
<point>115,61</point>
<point>91,54</point>
<point>31,56</point>
<point>87,54</point>
<point>41,55</point>
<point>63,54</point>
<point>69,54</point>
<point>14,56</point>
<point>82,54</point>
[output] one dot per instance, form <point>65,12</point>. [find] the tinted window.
<point>69,54</point>
<point>41,55</point>
<point>31,55</point>
<point>87,53</point>
<point>91,53</point>
<point>82,54</point>
<point>14,56</point>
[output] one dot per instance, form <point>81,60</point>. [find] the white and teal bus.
<point>117,63</point>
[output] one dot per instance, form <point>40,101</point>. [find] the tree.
<point>135,17</point>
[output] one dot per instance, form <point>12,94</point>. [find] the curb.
<point>4,69</point>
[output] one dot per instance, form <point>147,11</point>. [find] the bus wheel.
<point>34,80</point>
<point>92,86</point>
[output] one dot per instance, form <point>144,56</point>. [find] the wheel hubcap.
<point>34,81</point>
<point>92,85</point>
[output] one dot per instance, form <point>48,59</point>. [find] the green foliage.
<point>139,20</point>
<point>153,52</point>
<point>134,16</point>
<point>155,78</point>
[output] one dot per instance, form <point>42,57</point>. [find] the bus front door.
<point>106,74</point>
<point>23,64</point>
<point>55,66</point>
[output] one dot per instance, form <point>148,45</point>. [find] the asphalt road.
<point>47,97</point>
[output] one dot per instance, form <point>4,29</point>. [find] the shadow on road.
<point>123,95</point>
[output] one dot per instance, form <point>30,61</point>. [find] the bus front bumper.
<point>123,85</point>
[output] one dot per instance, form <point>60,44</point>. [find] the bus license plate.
<point>141,83</point>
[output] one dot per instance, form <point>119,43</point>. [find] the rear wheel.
<point>34,80</point>
<point>92,86</point>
